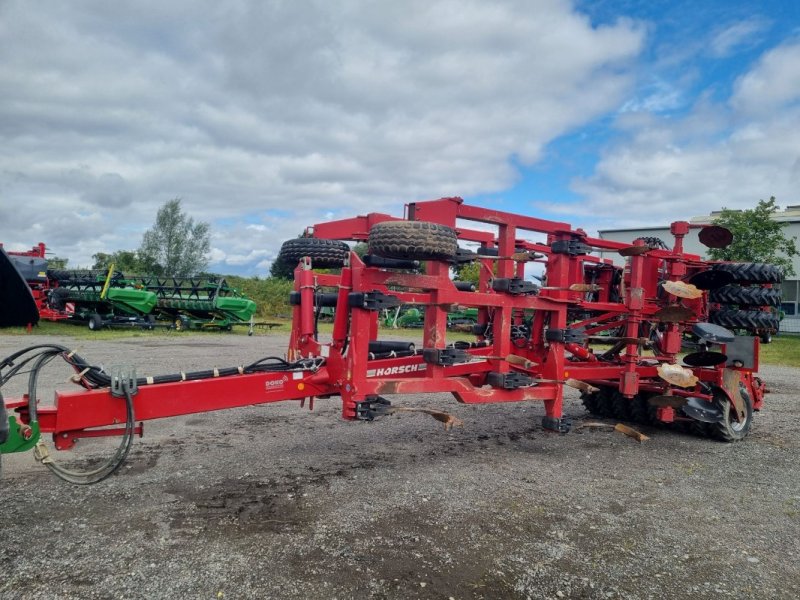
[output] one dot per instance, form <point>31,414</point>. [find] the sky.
<point>265,117</point>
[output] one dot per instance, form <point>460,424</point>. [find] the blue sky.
<point>265,117</point>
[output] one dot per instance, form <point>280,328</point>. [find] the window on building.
<point>789,292</point>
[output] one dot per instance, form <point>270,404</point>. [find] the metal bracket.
<point>463,256</point>
<point>372,260</point>
<point>373,406</point>
<point>509,381</point>
<point>444,356</point>
<point>561,426</point>
<point>514,286</point>
<point>372,300</point>
<point>123,379</point>
<point>566,336</point>
<point>572,247</point>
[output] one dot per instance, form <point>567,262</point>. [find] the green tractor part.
<point>198,303</point>
<point>406,317</point>
<point>14,436</point>
<point>101,292</point>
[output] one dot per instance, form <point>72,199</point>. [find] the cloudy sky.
<point>267,116</point>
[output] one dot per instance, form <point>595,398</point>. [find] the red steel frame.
<point>349,372</point>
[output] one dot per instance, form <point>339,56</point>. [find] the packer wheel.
<point>729,429</point>
<point>751,272</point>
<point>413,240</point>
<point>325,254</point>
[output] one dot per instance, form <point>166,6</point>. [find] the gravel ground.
<point>277,502</point>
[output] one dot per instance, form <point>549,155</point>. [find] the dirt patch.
<point>279,502</point>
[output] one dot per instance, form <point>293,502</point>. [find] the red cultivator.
<point>613,332</point>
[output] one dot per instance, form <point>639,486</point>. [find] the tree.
<point>757,237</point>
<point>175,245</point>
<point>280,269</point>
<point>57,263</point>
<point>126,261</point>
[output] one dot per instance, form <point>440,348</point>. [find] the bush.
<point>271,295</point>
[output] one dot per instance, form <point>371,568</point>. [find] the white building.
<point>790,287</point>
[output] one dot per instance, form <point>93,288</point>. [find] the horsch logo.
<point>397,370</point>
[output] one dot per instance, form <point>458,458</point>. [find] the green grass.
<point>784,350</point>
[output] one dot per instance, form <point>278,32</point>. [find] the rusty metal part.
<point>449,420</point>
<point>672,401</point>
<point>631,432</point>
<point>730,381</point>
<point>715,236</point>
<point>634,251</point>
<point>682,289</point>
<point>674,313</point>
<point>677,375</point>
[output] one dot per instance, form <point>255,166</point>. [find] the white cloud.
<point>743,34</point>
<point>312,108</point>
<point>772,84</point>
<point>668,168</point>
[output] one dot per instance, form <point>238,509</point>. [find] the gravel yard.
<point>278,502</point>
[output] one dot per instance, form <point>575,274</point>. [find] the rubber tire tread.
<point>744,319</point>
<point>723,432</point>
<point>751,272</point>
<point>413,240</point>
<point>325,254</point>
<point>746,296</point>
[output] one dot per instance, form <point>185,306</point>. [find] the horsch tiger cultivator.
<point>616,333</point>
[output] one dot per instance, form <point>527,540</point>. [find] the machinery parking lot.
<point>276,502</point>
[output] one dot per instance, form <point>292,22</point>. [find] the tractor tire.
<point>766,337</point>
<point>325,254</point>
<point>591,401</point>
<point>599,403</point>
<point>621,407</point>
<point>745,319</point>
<point>413,240</point>
<point>641,411</point>
<point>751,272</point>
<point>729,429</point>
<point>746,296</point>
<point>95,322</point>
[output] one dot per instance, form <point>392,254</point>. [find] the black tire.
<point>599,403</point>
<point>745,319</point>
<point>729,429</point>
<point>591,401</point>
<point>766,337</point>
<point>641,411</point>
<point>746,296</point>
<point>621,407</point>
<point>325,254</point>
<point>95,322</point>
<point>751,272</point>
<point>413,240</point>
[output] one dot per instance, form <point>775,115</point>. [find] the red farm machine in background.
<point>32,265</point>
<point>613,332</point>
